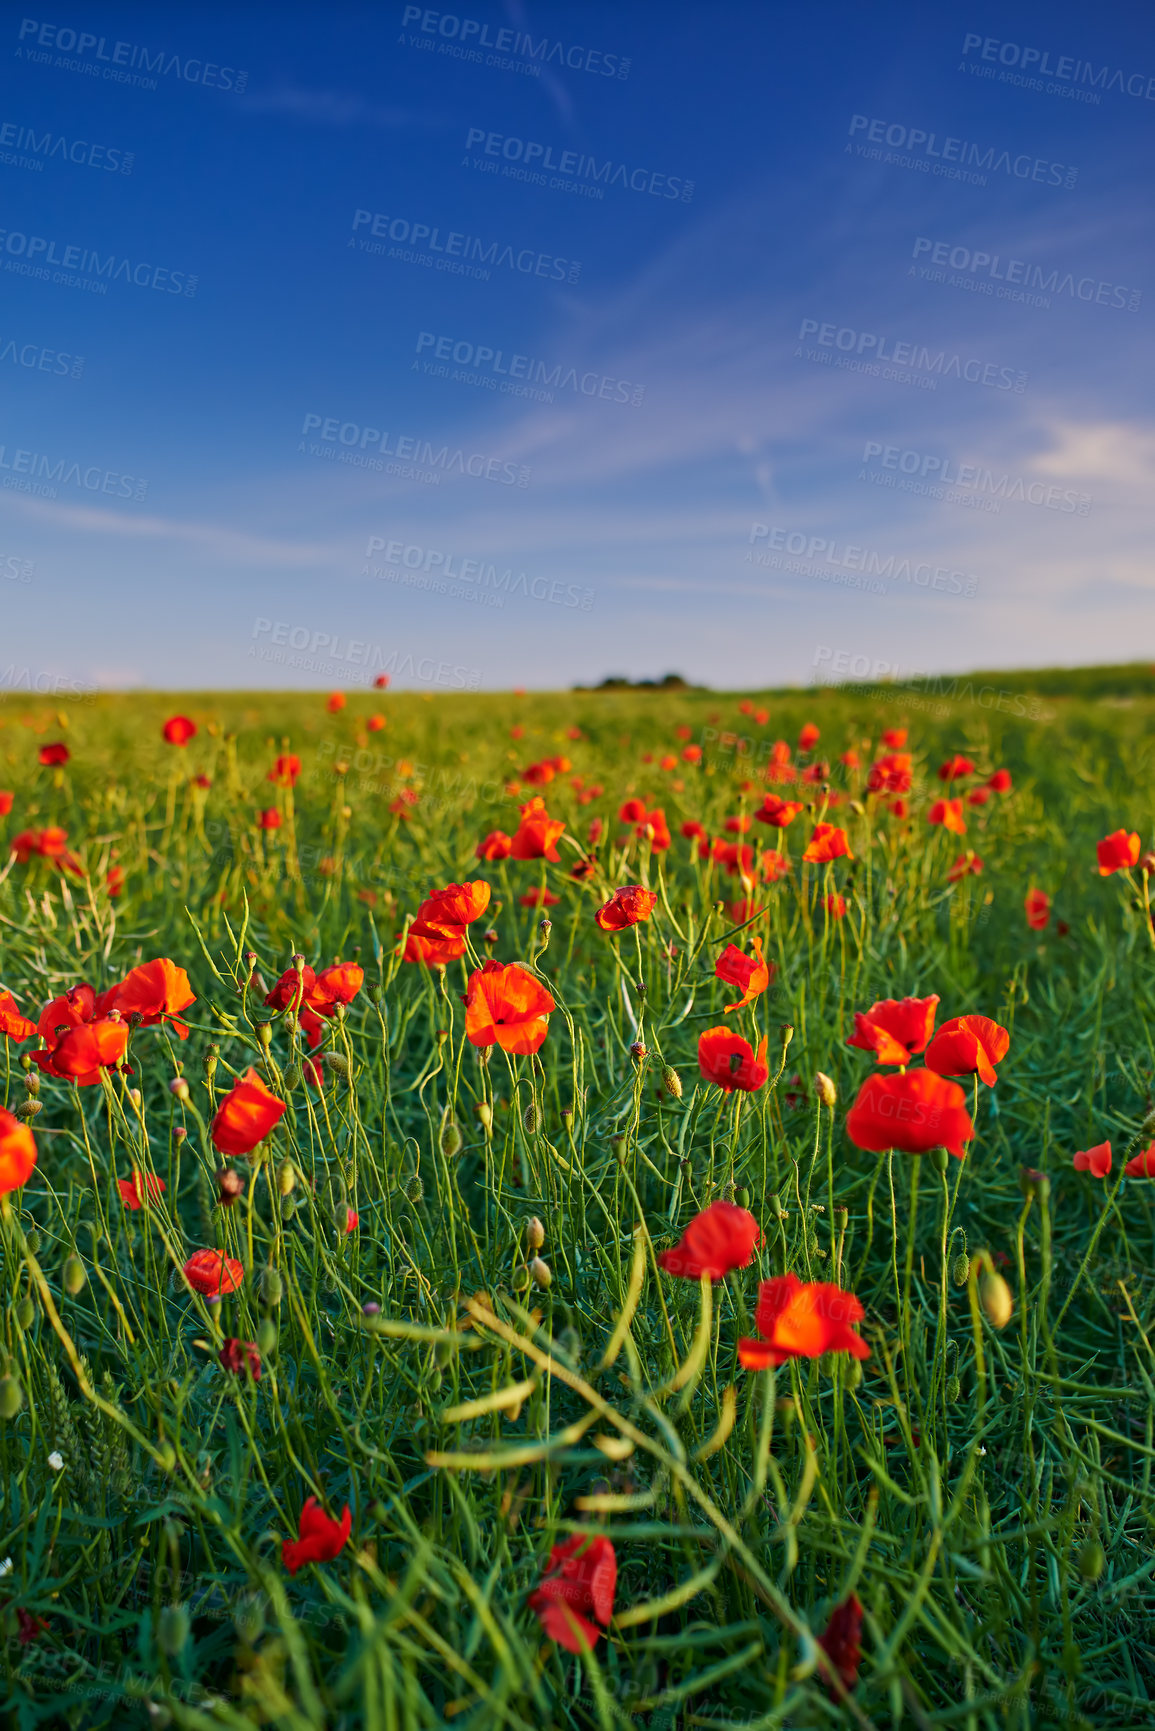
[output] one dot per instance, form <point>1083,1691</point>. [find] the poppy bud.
<point>952,1389</point>
<point>1147,864</point>
<point>271,1286</point>
<point>638,1052</point>
<point>672,1082</point>
<point>995,1298</point>
<point>167,1457</point>
<point>490,935</point>
<point>742,1197</point>
<point>786,1033</point>
<point>534,1233</point>
<point>414,1189</point>
<point>853,1374</point>
<point>11,1397</point>
<point>485,1115</point>
<point>540,1272</point>
<point>530,1119</point>
<point>172,1630</point>
<point>939,1159</point>
<point>452,1140</point>
<point>249,1619</point>
<point>961,1268</point>
<point>28,1109</point>
<point>1091,1560</point>
<point>32,1240</point>
<point>265,1034</point>
<point>32,1081</point>
<point>618,1145</point>
<point>75,1279</point>
<point>179,1088</point>
<point>179,1132</point>
<point>298,961</point>
<point>825,1089</point>
<point>286,1177</point>
<point>209,1062</point>
<point>291,1077</point>
<point>25,1314</point>
<point>266,1334</point>
<point>230,1186</point>
<point>544,928</point>
<point>1034,1185</point>
<point>339,1064</point>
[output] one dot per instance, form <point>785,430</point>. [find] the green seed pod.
<point>32,1239</point>
<point>25,1314</point>
<point>541,1273</point>
<point>534,1233</point>
<point>939,1159</point>
<point>413,1188</point>
<point>265,1034</point>
<point>952,1389</point>
<point>1091,1560</point>
<point>266,1336</point>
<point>11,1397</point>
<point>452,1140</point>
<point>961,1268</point>
<point>172,1629</point>
<point>672,1082</point>
<point>271,1286</point>
<point>28,1109</point>
<point>853,1373</point>
<point>286,1177</point>
<point>288,1208</point>
<point>485,1116</point>
<point>530,1119</point>
<point>291,1076</point>
<point>209,1062</point>
<point>339,1064</point>
<point>996,1300</point>
<point>742,1197</point>
<point>618,1145</point>
<point>249,1619</point>
<point>75,1279</point>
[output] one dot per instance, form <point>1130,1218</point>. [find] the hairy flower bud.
<point>178,1087</point>
<point>230,1186</point>
<point>209,1062</point>
<point>540,1272</point>
<point>531,1119</point>
<point>11,1397</point>
<point>339,1064</point>
<point>286,1177</point>
<point>534,1233</point>
<point>28,1109</point>
<point>639,1052</point>
<point>995,1298</point>
<point>672,1082</point>
<point>32,1082</point>
<point>952,1389</point>
<point>1091,1560</point>
<point>452,1140</point>
<point>172,1630</point>
<point>25,1314</point>
<point>75,1279</point>
<point>961,1268</point>
<point>265,1034</point>
<point>271,1286</point>
<point>414,1189</point>
<point>825,1089</point>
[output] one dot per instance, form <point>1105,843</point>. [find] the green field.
<point>984,1491</point>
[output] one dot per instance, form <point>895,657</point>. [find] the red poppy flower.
<point>1037,904</point>
<point>319,1537</point>
<point>53,755</point>
<point>966,1045</point>
<point>456,906</point>
<point>948,812</point>
<point>722,1237</point>
<point>655,830</point>
<point>692,754</point>
<point>140,1187</point>
<point>1000,781</point>
<point>913,1112</point>
<point>778,812</point>
<point>12,1024</point>
<point>891,773</point>
<point>402,806</point>
<point>1143,1165</point>
<point>81,1054</point>
<point>627,906</point>
<point>433,947</point>
<point>375,723</point>
<point>816,772</point>
<point>539,898</point>
<point>827,843</point>
<point>336,703</point>
<point>245,1116</point>
<point>239,1356</point>
<point>774,865</point>
<point>954,767</point>
<point>898,807</point>
<point>750,974</point>
<point>381,682</point>
<point>6,798</point>
<point>178,729</point>
<point>338,984</point>
<point>632,811</point>
<point>539,774</point>
<point>49,844</point>
<point>507,1006</point>
<point>895,737</point>
<point>496,845</point>
<point>155,991</point>
<point>201,781</point>
<point>352,1221</point>
<point>212,1273</point>
<point>735,858</point>
<point>728,1061</point>
<point>737,825</point>
<point>292,989</point>
<point>579,1582</point>
<point>692,829</point>
<point>537,833</point>
<point>808,737</point>
<point>895,1029</point>
<point>114,882</point>
<point>978,796</point>
<point>286,770</point>
<point>1117,852</point>
<point>849,759</point>
<point>29,1628</point>
<point>965,864</point>
<point>17,1153</point>
<point>69,1011</point>
<point>842,1640</point>
<point>835,906</point>
<point>1096,1160</point>
<point>798,1319</point>
<point>270,818</point>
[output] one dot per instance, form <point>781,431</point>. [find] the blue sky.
<point>848,366</point>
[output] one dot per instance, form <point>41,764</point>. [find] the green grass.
<point>960,1485</point>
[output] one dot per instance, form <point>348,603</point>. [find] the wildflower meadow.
<point>610,1209</point>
